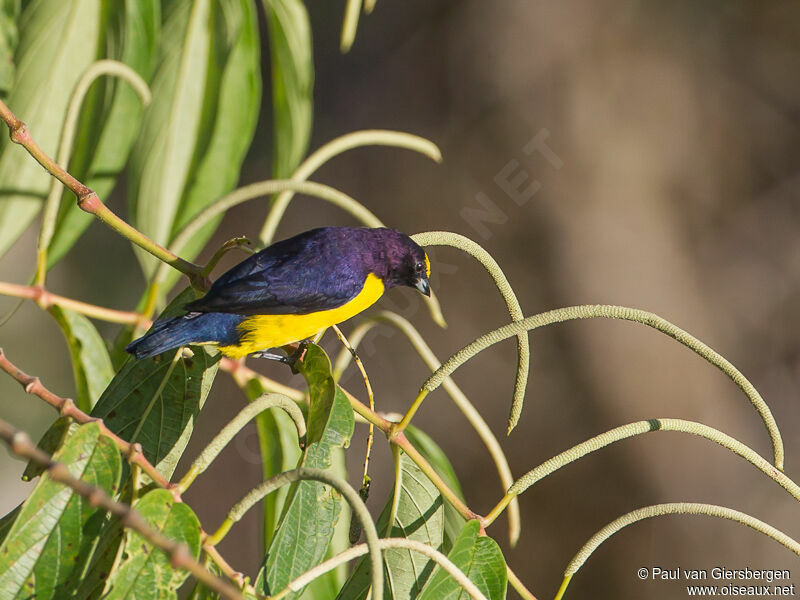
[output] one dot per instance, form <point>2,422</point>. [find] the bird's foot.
<point>293,354</point>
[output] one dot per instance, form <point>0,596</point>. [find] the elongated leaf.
<point>9,36</point>
<point>480,558</point>
<point>229,117</point>
<point>312,509</point>
<point>145,572</point>
<point>155,401</point>
<point>316,369</point>
<point>162,156</point>
<point>47,547</point>
<point>430,450</point>
<point>277,437</point>
<point>328,585</point>
<point>107,130</point>
<point>292,58</point>
<point>419,516</point>
<point>91,365</point>
<point>58,41</point>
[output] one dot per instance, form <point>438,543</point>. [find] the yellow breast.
<point>261,332</point>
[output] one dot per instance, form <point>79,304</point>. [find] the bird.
<point>292,290</point>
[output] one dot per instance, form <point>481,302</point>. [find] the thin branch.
<point>639,428</point>
<point>517,584</point>
<point>301,474</point>
<point>247,414</point>
<point>178,553</point>
<point>47,299</point>
<point>384,544</point>
<point>89,202</point>
<point>370,396</point>
<point>612,312</point>
<point>454,240</point>
<point>51,206</point>
<point>67,407</point>
<point>459,399</point>
<point>677,508</point>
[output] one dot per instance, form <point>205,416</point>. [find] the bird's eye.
<point>419,267</point>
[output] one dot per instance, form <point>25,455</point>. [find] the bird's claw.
<point>293,355</point>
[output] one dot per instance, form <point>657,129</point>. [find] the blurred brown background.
<point>670,184</point>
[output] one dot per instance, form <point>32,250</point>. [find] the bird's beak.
<point>424,287</point>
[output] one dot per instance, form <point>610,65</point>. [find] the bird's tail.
<point>192,328</point>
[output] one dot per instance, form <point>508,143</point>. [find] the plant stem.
<point>517,584</point>
<point>370,396</point>
<point>47,299</point>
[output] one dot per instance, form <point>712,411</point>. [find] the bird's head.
<point>404,262</point>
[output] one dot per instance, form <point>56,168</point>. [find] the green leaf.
<point>480,558</point>
<point>328,585</point>
<point>91,365</point>
<point>145,572</point>
<point>292,57</point>
<point>430,450</point>
<point>50,442</point>
<point>316,369</point>
<point>46,549</point>
<point>162,155</point>
<point>111,117</point>
<point>230,114</point>
<point>155,401</point>
<point>58,41</point>
<point>419,516</point>
<point>9,36</point>
<point>277,437</point>
<point>202,119</point>
<point>312,509</point>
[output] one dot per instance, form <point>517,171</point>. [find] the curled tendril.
<point>385,544</point>
<point>676,508</point>
<point>639,428</point>
<point>247,414</point>
<point>627,314</point>
<point>349,141</point>
<point>446,238</point>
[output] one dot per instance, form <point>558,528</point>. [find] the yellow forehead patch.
<point>427,266</point>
